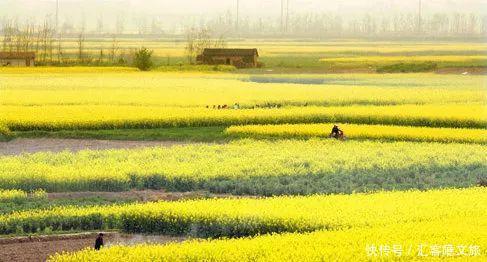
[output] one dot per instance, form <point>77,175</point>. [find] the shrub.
<point>5,133</point>
<point>143,59</point>
<point>482,181</point>
<point>408,67</point>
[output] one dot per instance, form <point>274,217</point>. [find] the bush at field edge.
<point>5,133</point>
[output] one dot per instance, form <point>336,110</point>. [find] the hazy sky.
<point>176,14</point>
<point>248,7</point>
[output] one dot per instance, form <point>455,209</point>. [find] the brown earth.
<point>139,195</point>
<point>40,248</point>
<point>306,70</point>
<point>370,70</point>
<point>466,71</point>
<point>24,145</point>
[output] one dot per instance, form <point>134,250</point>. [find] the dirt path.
<point>463,71</point>
<point>24,145</point>
<point>40,248</point>
<point>141,195</point>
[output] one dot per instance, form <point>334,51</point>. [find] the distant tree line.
<point>313,25</point>
<point>309,25</point>
<point>52,48</point>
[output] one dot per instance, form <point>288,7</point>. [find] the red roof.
<point>17,55</point>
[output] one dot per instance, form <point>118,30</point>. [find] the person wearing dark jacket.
<point>99,241</point>
<point>336,132</point>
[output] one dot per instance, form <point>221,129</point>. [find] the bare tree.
<point>46,39</point>
<point>199,39</point>
<point>80,42</point>
<point>113,49</point>
<point>101,56</point>
<point>60,54</point>
<point>190,45</point>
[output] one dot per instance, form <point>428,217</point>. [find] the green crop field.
<point>308,55</point>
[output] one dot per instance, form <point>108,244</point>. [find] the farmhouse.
<point>17,58</point>
<point>241,58</point>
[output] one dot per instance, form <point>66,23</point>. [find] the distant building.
<point>17,58</point>
<point>240,58</point>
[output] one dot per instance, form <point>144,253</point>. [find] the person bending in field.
<point>99,241</point>
<point>336,132</point>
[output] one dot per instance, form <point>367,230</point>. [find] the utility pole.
<point>287,15</point>
<point>238,10</point>
<point>419,17</point>
<point>57,16</point>
<point>282,15</point>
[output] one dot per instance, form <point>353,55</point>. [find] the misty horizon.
<point>247,7</point>
<point>173,17</point>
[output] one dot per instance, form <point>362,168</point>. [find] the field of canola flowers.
<point>247,217</point>
<point>253,167</point>
<point>345,225</point>
<point>88,100</point>
<point>297,109</point>
<point>380,132</point>
<point>111,87</point>
<point>399,242</point>
<point>118,117</point>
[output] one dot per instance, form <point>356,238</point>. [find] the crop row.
<point>253,167</point>
<point>462,240</point>
<point>381,132</point>
<point>12,195</point>
<point>15,195</point>
<point>247,216</point>
<point>19,118</point>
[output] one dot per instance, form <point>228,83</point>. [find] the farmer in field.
<point>336,132</point>
<point>99,241</point>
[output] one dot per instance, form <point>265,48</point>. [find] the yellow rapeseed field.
<point>418,222</point>
<point>125,86</point>
<point>57,117</point>
<point>440,214</point>
<point>396,133</point>
<point>247,216</point>
<point>95,98</point>
<point>253,167</point>
<point>454,240</point>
